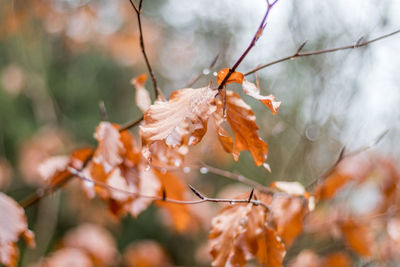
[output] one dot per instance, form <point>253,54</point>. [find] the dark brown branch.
<point>138,11</point>
<point>78,175</point>
<point>131,124</point>
<point>256,36</point>
<point>298,54</point>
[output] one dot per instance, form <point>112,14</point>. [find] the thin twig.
<point>299,54</point>
<point>256,36</point>
<point>342,156</point>
<point>131,124</point>
<point>163,198</point>
<point>212,64</point>
<point>138,11</point>
<point>103,111</point>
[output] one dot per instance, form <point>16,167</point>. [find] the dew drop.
<point>215,73</point>
<point>232,202</point>
<point>203,170</point>
<point>267,167</point>
<point>206,71</point>
<point>147,167</point>
<point>163,170</point>
<point>186,169</point>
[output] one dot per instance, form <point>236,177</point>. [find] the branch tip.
<point>197,193</point>
<point>251,195</point>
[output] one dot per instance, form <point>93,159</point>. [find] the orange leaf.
<point>288,214</point>
<point>236,77</point>
<point>252,90</point>
<point>358,237</point>
<point>174,189</point>
<point>242,121</point>
<point>143,100</point>
<point>331,185</point>
<point>239,233</point>
<point>338,259</point>
<point>13,224</point>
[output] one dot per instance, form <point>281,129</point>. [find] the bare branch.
<point>256,36</point>
<point>138,11</point>
<point>79,175</point>
<point>298,54</point>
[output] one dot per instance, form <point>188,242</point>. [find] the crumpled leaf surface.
<point>240,233</point>
<point>183,118</point>
<point>13,224</point>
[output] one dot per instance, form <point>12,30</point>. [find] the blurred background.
<point>60,58</point>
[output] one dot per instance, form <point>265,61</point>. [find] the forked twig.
<point>256,36</point>
<point>298,54</point>
<point>163,198</point>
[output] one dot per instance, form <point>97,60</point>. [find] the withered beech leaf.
<point>252,90</point>
<point>13,224</point>
<point>108,152</point>
<point>240,233</point>
<point>243,123</point>
<point>183,118</point>
<point>143,100</point>
<point>288,214</point>
<point>174,189</point>
<point>236,77</point>
<point>95,241</point>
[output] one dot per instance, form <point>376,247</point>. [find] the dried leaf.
<point>109,148</point>
<point>292,188</point>
<point>95,241</point>
<point>242,121</point>
<point>240,233</point>
<point>358,237</point>
<point>13,224</point>
<point>252,90</point>
<point>174,189</point>
<point>288,214</point>
<point>51,166</point>
<point>143,100</point>
<point>307,258</point>
<point>66,257</point>
<point>146,253</point>
<point>236,77</point>
<point>331,185</point>
<point>181,119</point>
<point>338,259</point>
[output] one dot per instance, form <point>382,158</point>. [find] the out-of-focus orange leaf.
<point>358,237</point>
<point>181,119</point>
<point>331,185</point>
<point>306,258</point>
<point>288,214</point>
<point>66,257</point>
<point>239,233</point>
<point>338,259</point>
<point>95,241</point>
<point>143,100</point>
<point>146,253</point>
<point>13,224</point>
<point>236,77</point>
<point>242,121</point>
<point>174,189</point>
<point>252,90</point>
